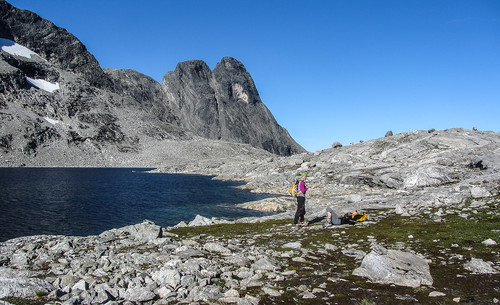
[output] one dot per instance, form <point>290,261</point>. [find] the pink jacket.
<point>302,188</point>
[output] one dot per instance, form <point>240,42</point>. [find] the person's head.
<point>303,176</point>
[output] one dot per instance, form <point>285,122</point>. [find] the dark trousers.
<point>301,209</point>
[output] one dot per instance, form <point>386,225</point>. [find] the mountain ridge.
<point>58,97</point>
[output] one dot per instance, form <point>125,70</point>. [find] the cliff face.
<point>55,97</point>
<point>224,104</point>
<point>58,47</point>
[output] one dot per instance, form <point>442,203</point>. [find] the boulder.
<point>200,221</point>
<point>395,267</point>
<point>21,284</point>
<point>336,145</point>
<point>478,266</point>
<point>139,294</point>
<point>264,264</point>
<point>217,248</point>
<point>166,276</point>
<point>293,245</point>
<point>489,242</point>
<point>479,192</point>
<point>142,232</point>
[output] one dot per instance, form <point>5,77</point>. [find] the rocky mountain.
<point>420,171</point>
<point>58,107</point>
<point>55,45</point>
<point>224,104</point>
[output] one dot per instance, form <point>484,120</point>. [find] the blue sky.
<point>328,70</point>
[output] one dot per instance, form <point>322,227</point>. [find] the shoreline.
<point>248,261</point>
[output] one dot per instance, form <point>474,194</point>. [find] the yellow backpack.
<point>294,189</point>
<point>359,216</point>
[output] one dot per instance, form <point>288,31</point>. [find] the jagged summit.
<point>55,97</point>
<point>224,104</point>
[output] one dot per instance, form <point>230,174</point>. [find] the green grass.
<point>448,245</point>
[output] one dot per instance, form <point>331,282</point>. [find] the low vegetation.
<point>447,245</point>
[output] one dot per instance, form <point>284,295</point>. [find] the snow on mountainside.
<point>106,117</point>
<point>13,48</point>
<point>16,49</point>
<point>107,114</point>
<point>43,84</point>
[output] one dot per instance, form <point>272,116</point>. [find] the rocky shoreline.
<point>432,199</point>
<point>147,264</point>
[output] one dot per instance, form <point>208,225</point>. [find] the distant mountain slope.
<point>54,95</point>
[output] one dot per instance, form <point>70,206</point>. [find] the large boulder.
<point>395,267</point>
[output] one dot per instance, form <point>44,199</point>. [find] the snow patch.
<point>13,48</point>
<point>43,84</point>
<point>51,121</point>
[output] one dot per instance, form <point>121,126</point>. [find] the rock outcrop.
<point>224,104</point>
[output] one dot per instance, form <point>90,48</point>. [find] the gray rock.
<point>358,254</point>
<point>354,198</point>
<point>165,276</point>
<point>142,232</point>
<point>489,242</point>
<point>336,145</point>
<point>293,245</point>
<point>396,267</point>
<point>139,294</point>
<point>331,247</point>
<point>270,291</point>
<point>21,284</point>
<point>81,285</point>
<point>264,264</point>
<point>200,221</point>
<point>477,265</point>
<point>428,175</point>
<point>434,294</point>
<point>479,192</point>
<point>218,248</point>
<point>205,293</point>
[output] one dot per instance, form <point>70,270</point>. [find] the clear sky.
<point>329,71</point>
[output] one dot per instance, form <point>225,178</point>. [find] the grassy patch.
<point>448,245</point>
<point>24,301</point>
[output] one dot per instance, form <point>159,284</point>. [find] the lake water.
<point>88,201</point>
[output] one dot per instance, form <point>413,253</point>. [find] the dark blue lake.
<point>88,201</point>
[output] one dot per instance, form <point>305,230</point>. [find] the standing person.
<point>301,201</point>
